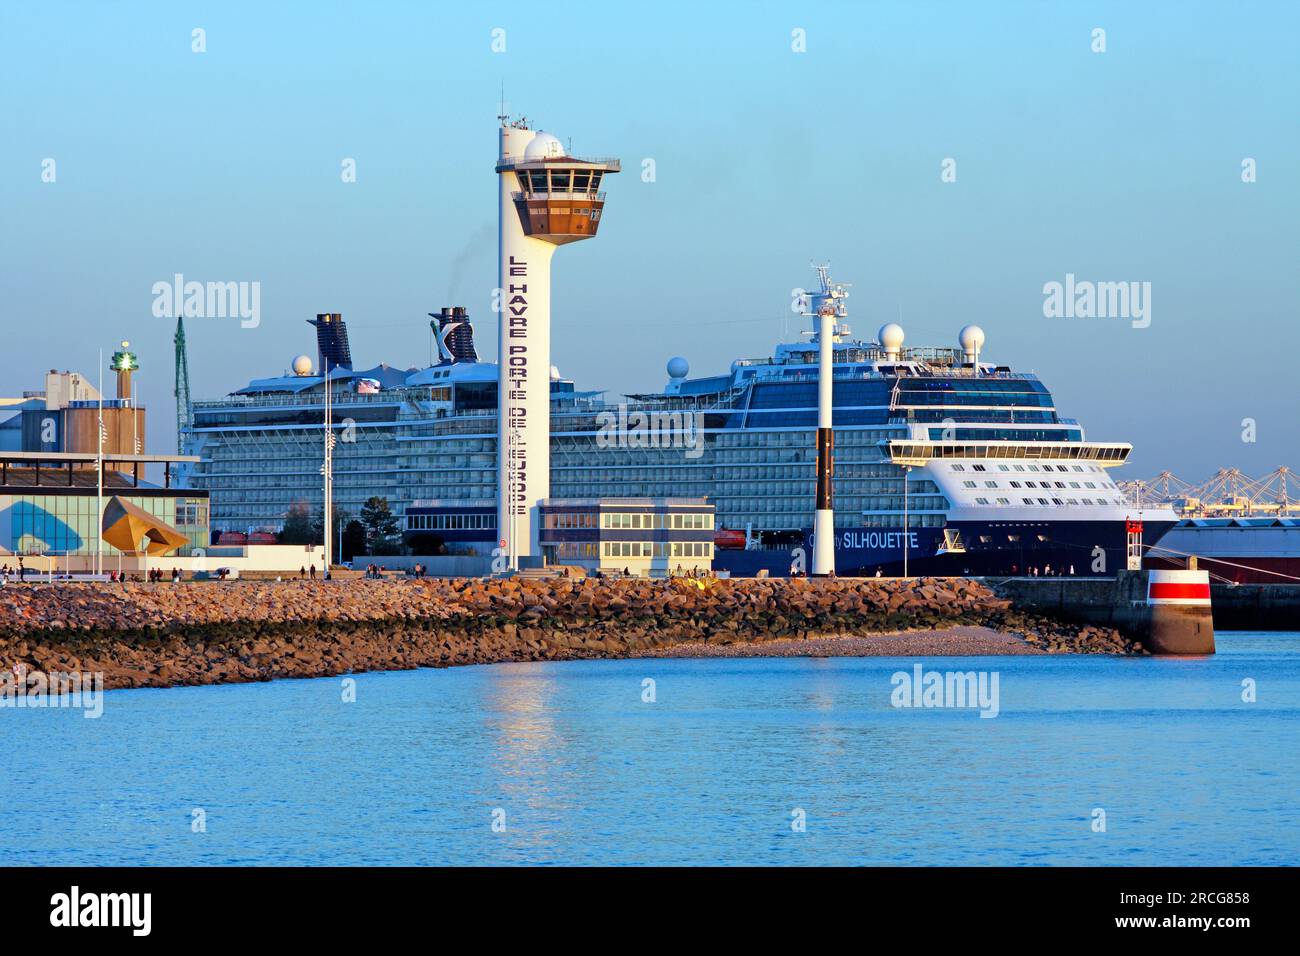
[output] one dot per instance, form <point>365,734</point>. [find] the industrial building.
<point>65,415</point>
<point>70,502</point>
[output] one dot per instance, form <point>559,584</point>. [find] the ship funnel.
<point>332,341</point>
<point>455,335</point>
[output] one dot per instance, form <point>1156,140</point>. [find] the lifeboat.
<point>725,538</point>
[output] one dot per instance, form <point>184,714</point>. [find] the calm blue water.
<point>586,773</point>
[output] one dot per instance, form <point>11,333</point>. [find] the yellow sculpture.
<point>125,524</point>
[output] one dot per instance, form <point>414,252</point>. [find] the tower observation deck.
<point>559,199</point>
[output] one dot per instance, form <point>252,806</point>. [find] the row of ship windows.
<point>896,521</point>
<point>1041,484</point>
<point>1044,501</point>
<point>913,503</point>
<point>297,470</point>
<point>778,496</point>
<point>794,501</point>
<point>308,460</point>
<point>1096,468</point>
<point>253,445</point>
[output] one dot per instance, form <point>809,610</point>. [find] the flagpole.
<point>327,510</point>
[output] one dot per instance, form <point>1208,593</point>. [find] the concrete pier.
<point>1161,612</point>
<point>1256,607</point>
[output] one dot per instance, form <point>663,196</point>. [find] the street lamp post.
<point>907,536</point>
<point>99,475</point>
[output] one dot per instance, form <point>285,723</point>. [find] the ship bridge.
<point>913,453</point>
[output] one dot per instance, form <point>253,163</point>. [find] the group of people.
<point>152,576</point>
<point>309,571</point>
<point>797,572</point>
<point>155,576</point>
<point>1033,572</point>
<point>680,572</point>
<point>692,573</point>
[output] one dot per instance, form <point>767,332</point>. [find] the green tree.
<point>426,542</point>
<point>380,524</point>
<point>298,527</point>
<point>354,539</point>
<point>341,517</point>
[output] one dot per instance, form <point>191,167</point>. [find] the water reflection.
<point>588,772</point>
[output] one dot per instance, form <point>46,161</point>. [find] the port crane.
<point>1228,493</point>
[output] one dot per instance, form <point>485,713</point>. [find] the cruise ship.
<point>944,462</point>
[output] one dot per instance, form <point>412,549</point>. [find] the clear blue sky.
<point>1117,166</point>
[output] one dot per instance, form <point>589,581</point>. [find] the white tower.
<point>547,199</point>
<point>827,305</point>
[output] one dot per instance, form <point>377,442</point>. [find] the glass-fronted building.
<point>49,504</point>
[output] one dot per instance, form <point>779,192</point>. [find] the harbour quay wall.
<point>153,635</point>
<point>1121,603</point>
<point>1256,607</point>
<point>436,566</point>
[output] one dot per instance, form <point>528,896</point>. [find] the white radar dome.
<point>678,367</point>
<point>544,146</point>
<point>890,337</point>
<point>302,365</point>
<point>971,338</point>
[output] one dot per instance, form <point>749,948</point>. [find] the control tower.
<point>547,199</point>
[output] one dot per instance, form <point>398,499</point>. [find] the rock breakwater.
<point>156,635</point>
